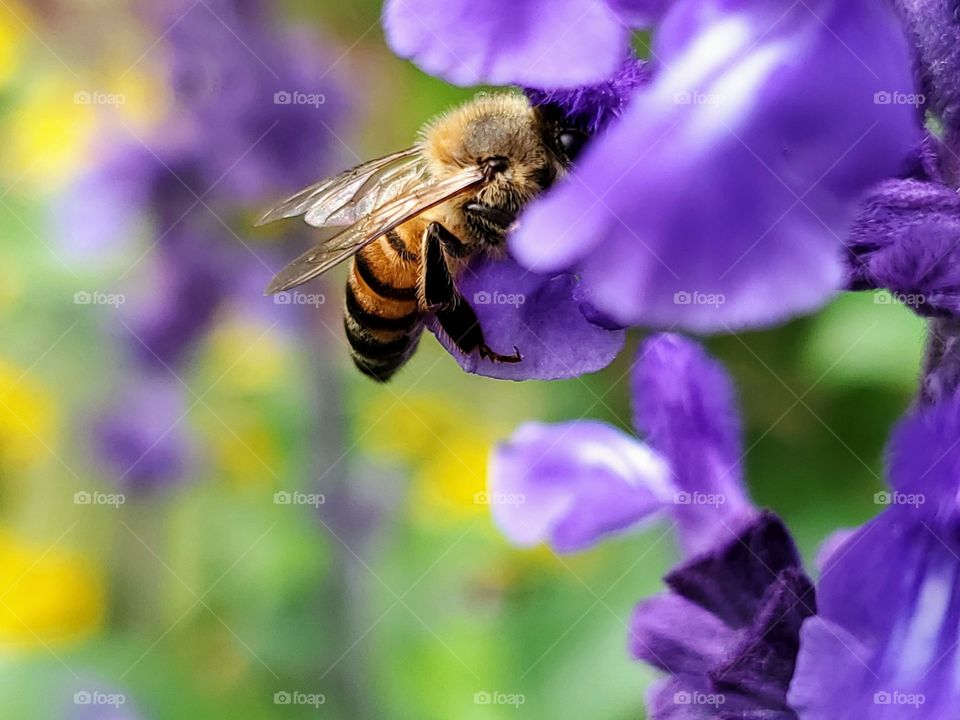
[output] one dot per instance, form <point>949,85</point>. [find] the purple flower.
<point>886,637</point>
<point>253,122</point>
<point>740,631</point>
<point>719,199</point>
<point>727,632</point>
<point>907,239</point>
<point>537,43</point>
<point>541,316</point>
<point>571,484</point>
<point>593,107</point>
<point>549,318</point>
<point>140,437</point>
<point>935,29</point>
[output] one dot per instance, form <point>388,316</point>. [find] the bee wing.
<point>380,221</point>
<point>335,196</point>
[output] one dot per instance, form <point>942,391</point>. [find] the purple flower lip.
<point>584,480</point>
<point>533,43</point>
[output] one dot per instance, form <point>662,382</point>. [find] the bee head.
<point>515,146</point>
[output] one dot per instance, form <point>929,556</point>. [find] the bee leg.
<point>456,317</point>
<point>439,291</point>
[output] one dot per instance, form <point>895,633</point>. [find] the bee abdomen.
<point>380,354</point>
<point>382,317</point>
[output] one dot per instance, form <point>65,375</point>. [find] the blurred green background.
<point>395,597</point>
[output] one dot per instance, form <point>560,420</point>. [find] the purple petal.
<point>572,484</point>
<point>935,29</point>
<point>540,316</point>
<point>719,198</point>
<point>924,462</point>
<point>685,406</point>
<point>761,666</point>
<point>535,43</point>
<point>731,579</point>
<point>680,699</point>
<point>678,636</point>
<point>885,643</point>
<point>593,107</point>
<point>640,13</point>
<point>905,240</point>
<point>729,630</point>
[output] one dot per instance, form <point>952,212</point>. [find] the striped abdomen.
<point>382,317</point>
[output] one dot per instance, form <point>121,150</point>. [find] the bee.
<point>410,222</point>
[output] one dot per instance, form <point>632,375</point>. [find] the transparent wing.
<point>380,221</point>
<point>342,199</point>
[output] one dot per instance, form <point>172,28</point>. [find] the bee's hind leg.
<point>441,297</point>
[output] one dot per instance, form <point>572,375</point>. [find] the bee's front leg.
<point>441,297</point>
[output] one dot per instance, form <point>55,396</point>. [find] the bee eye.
<point>572,142</point>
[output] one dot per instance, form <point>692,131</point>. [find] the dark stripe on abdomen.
<point>377,358</point>
<point>377,322</point>
<point>378,286</point>
<point>364,343</point>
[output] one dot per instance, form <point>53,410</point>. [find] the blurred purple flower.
<point>252,121</point>
<point>537,43</point>
<point>575,482</point>
<point>140,438</point>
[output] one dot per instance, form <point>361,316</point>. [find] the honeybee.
<point>409,222</point>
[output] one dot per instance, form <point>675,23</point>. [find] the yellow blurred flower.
<point>246,357</point>
<point>46,596</point>
<point>27,418</point>
<point>247,363</point>
<point>245,448</point>
<point>447,453</point>
<point>48,133</point>
<point>53,124</point>
<point>11,39</point>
